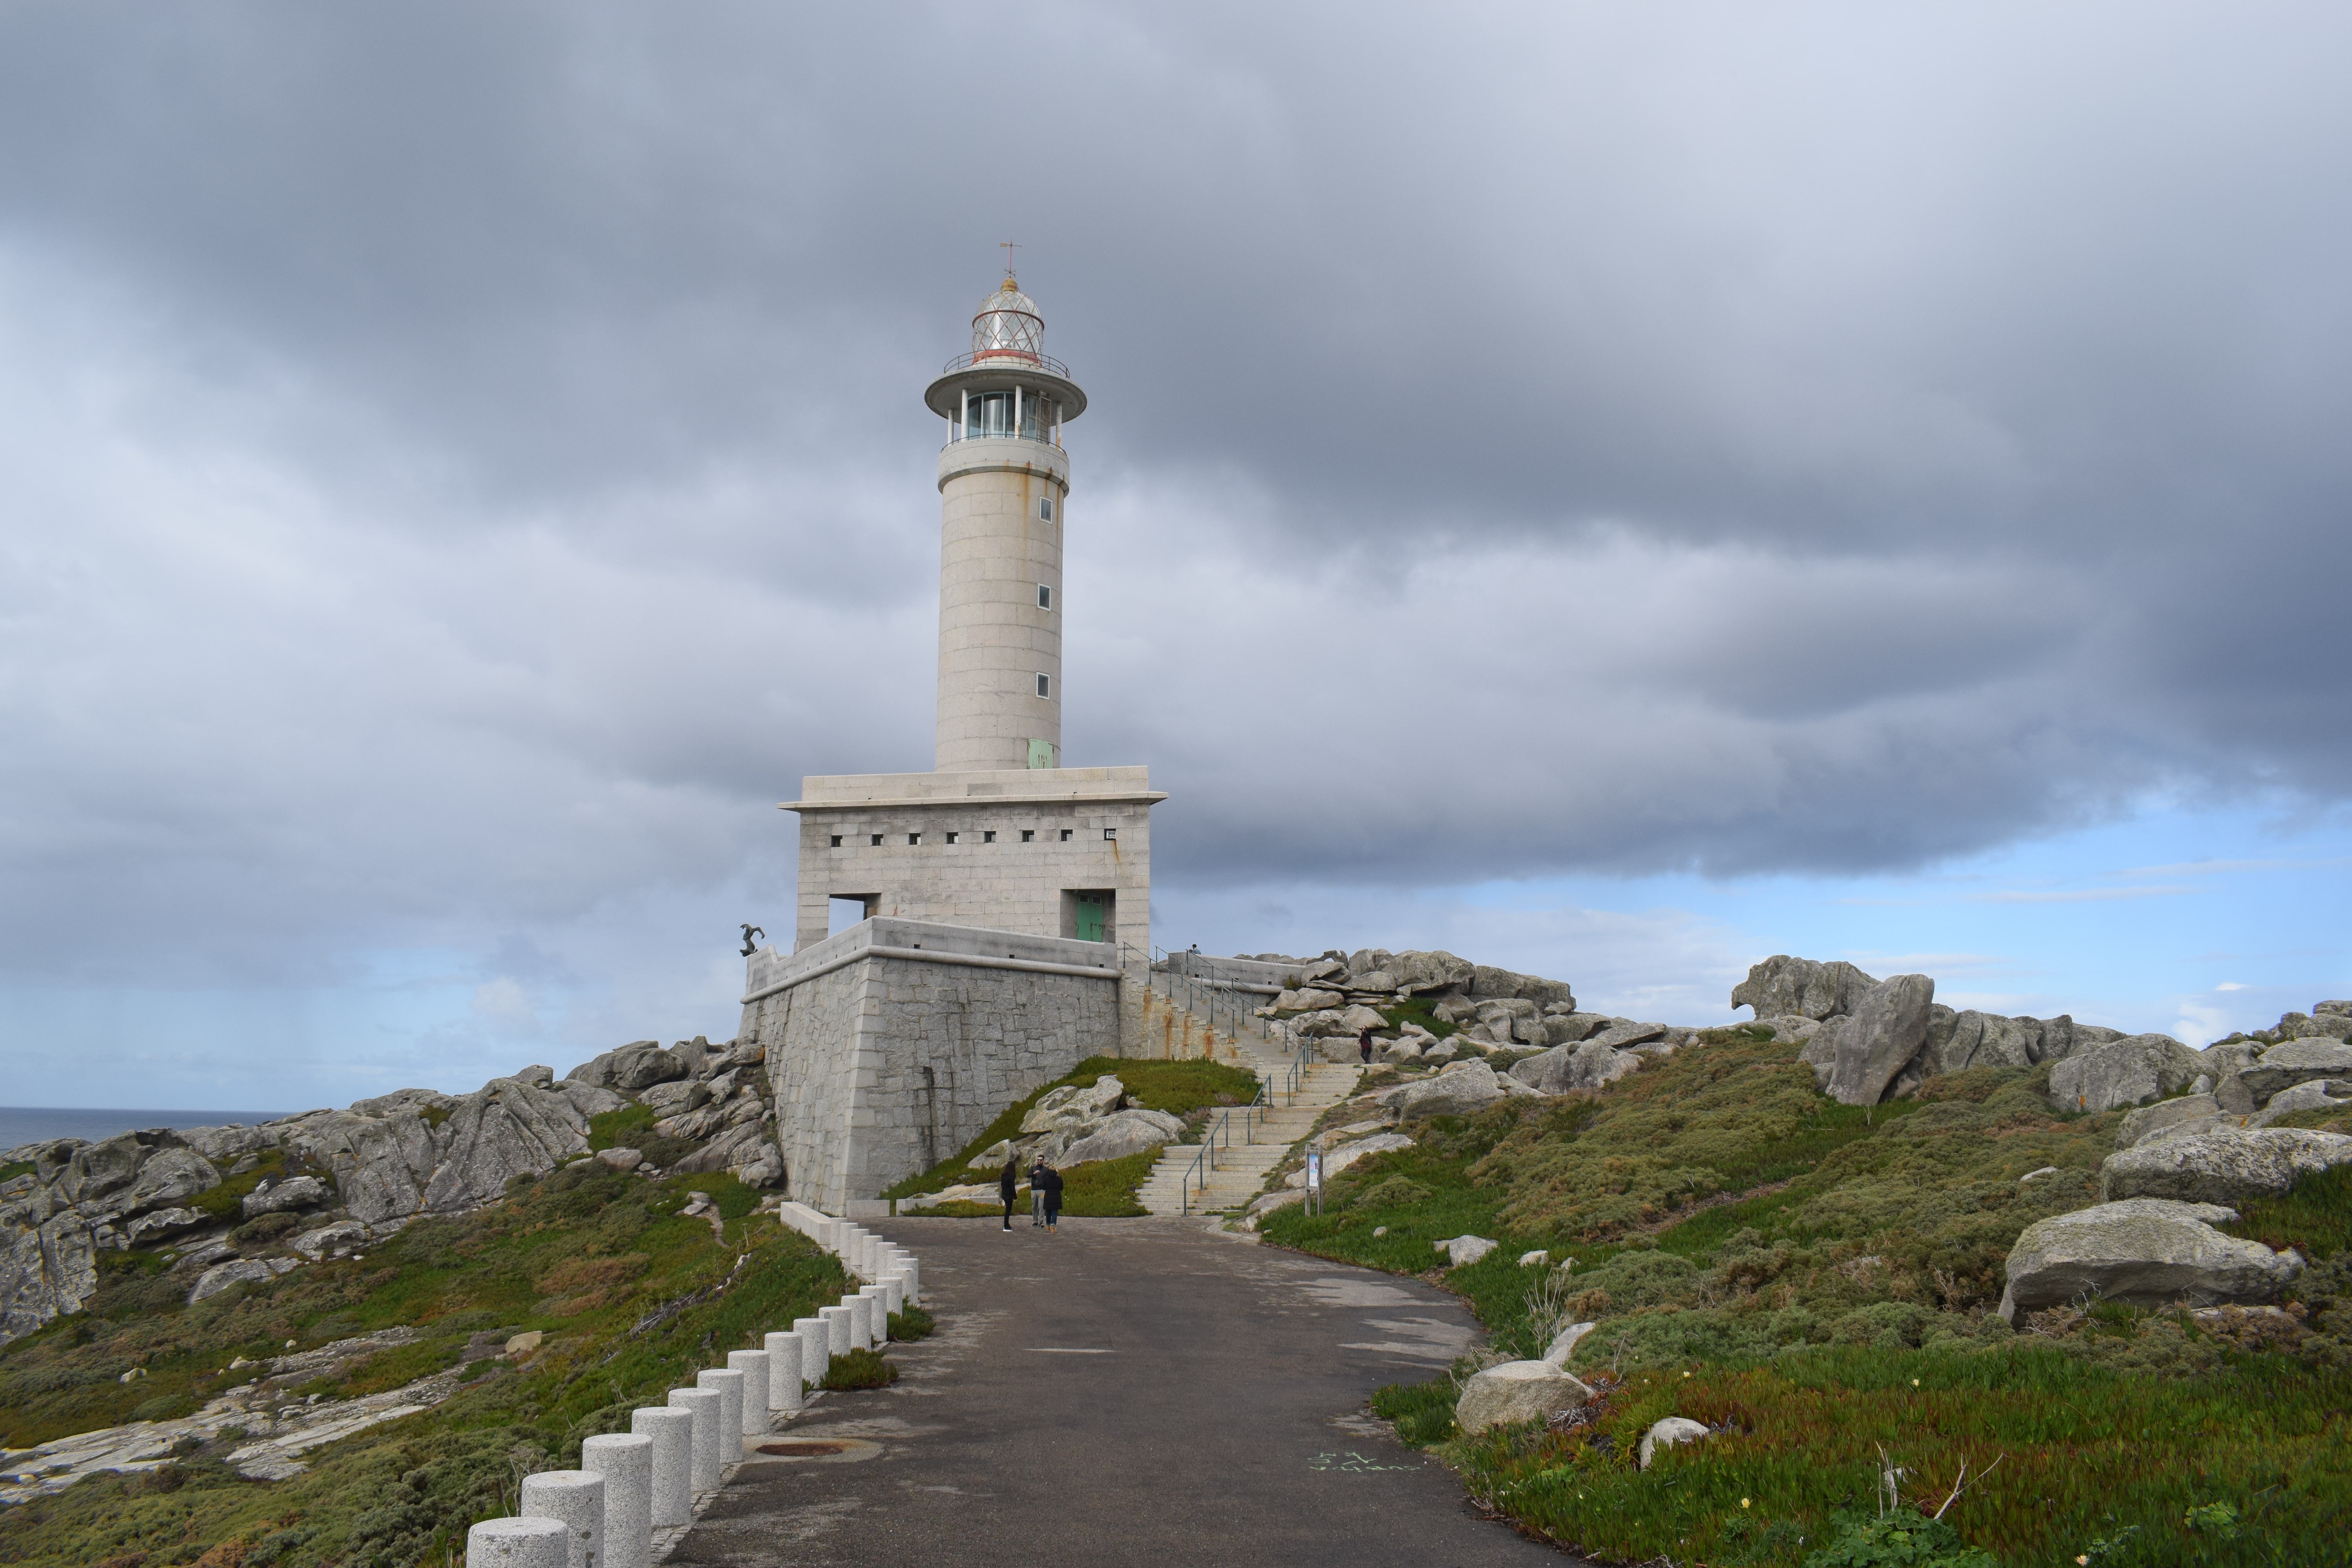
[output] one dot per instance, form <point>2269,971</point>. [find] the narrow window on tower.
<point>1028,835</point>
<point>1044,596</point>
<point>875,840</point>
<point>914,838</point>
<point>836,841</point>
<point>988,837</point>
<point>1045,686</point>
<point>1110,833</point>
<point>951,838</point>
<point>1044,509</point>
<point>1066,834</point>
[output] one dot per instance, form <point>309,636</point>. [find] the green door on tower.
<point>1090,919</point>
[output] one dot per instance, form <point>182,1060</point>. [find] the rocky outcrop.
<point>2153,1121</point>
<point>1783,985</point>
<point>2149,1252</point>
<point>1122,1133</point>
<point>357,1173</point>
<point>2222,1167</point>
<point>1589,1066</point>
<point>1458,1089</point>
<point>1868,1048</point>
<point>2130,1071</point>
<point>1516,1391</point>
<point>2299,1060</point>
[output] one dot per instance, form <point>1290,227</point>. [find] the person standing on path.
<point>1364,1046</point>
<point>1009,1185</point>
<point>1037,1193</point>
<point>1051,1180</point>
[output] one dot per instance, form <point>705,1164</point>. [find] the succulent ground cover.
<point>632,1295</point>
<point>1101,1188</point>
<point>1815,1282</point>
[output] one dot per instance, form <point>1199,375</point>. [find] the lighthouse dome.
<point>1008,323</point>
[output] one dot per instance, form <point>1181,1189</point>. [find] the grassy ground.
<point>1105,1188</point>
<point>633,1296</point>
<point>1815,1281</point>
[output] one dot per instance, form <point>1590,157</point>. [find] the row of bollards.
<point>632,1484</point>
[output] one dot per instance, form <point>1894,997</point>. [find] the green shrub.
<point>1422,1412</point>
<point>858,1369</point>
<point>1902,1539</point>
<point>624,1129</point>
<point>263,1229</point>
<point>911,1323</point>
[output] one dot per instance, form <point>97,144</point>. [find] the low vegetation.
<point>1816,1283</point>
<point>1104,1188</point>
<point>632,1295</point>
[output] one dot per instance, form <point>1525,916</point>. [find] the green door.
<point>1090,919</point>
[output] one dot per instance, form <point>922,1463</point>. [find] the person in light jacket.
<point>1037,1193</point>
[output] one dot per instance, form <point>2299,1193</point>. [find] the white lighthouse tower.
<point>1001,834</point>
<point>1004,480</point>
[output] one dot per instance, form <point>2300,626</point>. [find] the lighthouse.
<point>966,935</point>
<point>1004,484</point>
<point>1002,834</point>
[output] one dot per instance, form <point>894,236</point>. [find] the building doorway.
<point>1090,914</point>
<point>846,910</point>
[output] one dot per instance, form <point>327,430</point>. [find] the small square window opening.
<point>951,838</point>
<point>1045,686</point>
<point>1044,509</point>
<point>988,837</point>
<point>1065,835</point>
<point>836,841</point>
<point>1044,596</point>
<point>1110,833</point>
<point>1028,835</point>
<point>876,840</point>
<point>914,838</point>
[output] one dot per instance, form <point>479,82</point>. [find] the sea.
<point>21,1124</point>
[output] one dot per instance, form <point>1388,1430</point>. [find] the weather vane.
<point>1008,246</point>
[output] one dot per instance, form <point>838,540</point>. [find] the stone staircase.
<point>1238,1169</point>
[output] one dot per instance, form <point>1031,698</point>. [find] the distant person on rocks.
<point>1051,1180</point>
<point>1009,1185</point>
<point>1037,1193</point>
<point>1364,1046</point>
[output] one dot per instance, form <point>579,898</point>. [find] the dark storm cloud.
<point>465,462</point>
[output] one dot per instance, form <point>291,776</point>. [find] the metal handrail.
<point>1018,358</point>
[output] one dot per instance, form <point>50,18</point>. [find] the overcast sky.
<point>1618,491</point>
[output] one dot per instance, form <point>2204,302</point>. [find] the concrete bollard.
<point>861,1321</point>
<point>893,1289</point>
<point>729,1386</point>
<point>906,1264</point>
<point>877,1313</point>
<point>709,1458</point>
<point>756,1369</point>
<point>517,1543</point>
<point>626,1460</point>
<point>817,1345</point>
<point>786,1361</point>
<point>837,1329</point>
<point>672,1432</point>
<point>577,1499</point>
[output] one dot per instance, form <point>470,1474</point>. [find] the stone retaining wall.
<point>893,1045</point>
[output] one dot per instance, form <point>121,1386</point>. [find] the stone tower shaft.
<point>1004,480</point>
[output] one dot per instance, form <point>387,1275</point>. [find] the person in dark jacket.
<point>1364,1046</point>
<point>1051,1179</point>
<point>1008,1184</point>
<point>1037,1193</point>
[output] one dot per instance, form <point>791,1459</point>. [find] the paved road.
<point>1124,1392</point>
